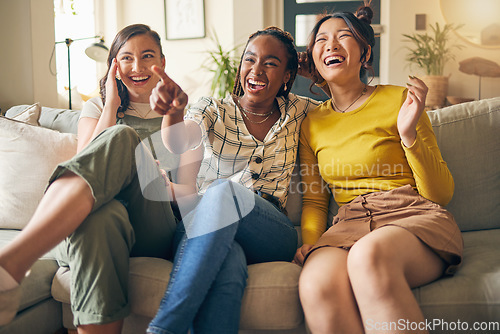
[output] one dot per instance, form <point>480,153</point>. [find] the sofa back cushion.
<point>468,136</point>
<point>62,120</point>
<point>28,155</point>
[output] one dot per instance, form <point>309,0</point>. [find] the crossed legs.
<point>67,200</point>
<point>110,161</point>
<point>370,286</point>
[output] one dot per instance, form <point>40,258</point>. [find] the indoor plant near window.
<point>224,66</point>
<point>431,52</point>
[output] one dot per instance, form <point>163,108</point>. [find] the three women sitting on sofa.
<point>372,126</point>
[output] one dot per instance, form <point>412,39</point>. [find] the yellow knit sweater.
<point>360,152</point>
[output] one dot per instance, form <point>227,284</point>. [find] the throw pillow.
<point>30,115</point>
<point>28,156</point>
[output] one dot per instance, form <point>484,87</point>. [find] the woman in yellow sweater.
<point>373,148</point>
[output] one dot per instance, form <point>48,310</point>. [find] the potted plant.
<point>224,66</point>
<point>431,52</point>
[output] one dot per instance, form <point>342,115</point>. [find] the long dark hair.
<point>120,39</point>
<point>292,63</point>
<point>360,27</point>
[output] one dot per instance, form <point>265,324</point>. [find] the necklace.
<point>363,92</point>
<point>245,113</point>
<point>140,111</point>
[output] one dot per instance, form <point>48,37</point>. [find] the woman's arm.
<point>169,100</point>
<point>189,166</point>
<point>305,71</point>
<point>432,176</point>
<point>315,196</point>
<point>315,199</point>
<point>89,128</point>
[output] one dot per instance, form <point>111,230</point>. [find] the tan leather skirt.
<point>403,207</point>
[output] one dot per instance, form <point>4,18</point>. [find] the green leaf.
<point>223,65</point>
<point>431,52</point>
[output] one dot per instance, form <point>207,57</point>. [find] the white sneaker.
<point>9,304</point>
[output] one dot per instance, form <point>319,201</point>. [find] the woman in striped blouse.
<point>249,141</point>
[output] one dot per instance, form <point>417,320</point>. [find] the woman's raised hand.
<point>167,98</point>
<point>112,98</point>
<point>411,110</point>
<point>304,66</point>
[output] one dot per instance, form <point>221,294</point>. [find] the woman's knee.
<point>373,260</point>
<point>322,281</point>
<point>219,208</point>
<point>121,134</point>
<point>222,189</point>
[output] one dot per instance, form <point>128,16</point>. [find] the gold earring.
<point>117,76</point>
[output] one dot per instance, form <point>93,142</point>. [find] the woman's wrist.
<point>409,140</point>
<point>173,118</point>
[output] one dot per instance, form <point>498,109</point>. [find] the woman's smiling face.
<point>134,60</point>
<point>336,51</point>
<point>264,68</point>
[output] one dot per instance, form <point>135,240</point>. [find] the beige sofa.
<point>468,135</point>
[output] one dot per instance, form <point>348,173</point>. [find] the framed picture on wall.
<point>184,19</point>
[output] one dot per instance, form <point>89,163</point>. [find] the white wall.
<point>27,40</point>
<point>232,21</point>
<point>398,17</point>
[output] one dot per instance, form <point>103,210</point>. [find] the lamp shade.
<point>97,51</point>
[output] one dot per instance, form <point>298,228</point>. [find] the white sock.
<point>7,282</point>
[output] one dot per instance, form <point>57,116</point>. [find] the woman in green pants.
<point>112,200</point>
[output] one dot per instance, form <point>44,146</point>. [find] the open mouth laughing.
<point>140,80</point>
<point>256,85</point>
<point>333,60</point>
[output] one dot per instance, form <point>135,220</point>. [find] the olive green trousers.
<point>131,216</point>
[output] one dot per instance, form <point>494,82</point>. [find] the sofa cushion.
<point>28,155</point>
<point>473,293</point>
<point>271,299</point>
<point>62,120</point>
<point>28,114</point>
<point>36,287</point>
<point>468,136</point>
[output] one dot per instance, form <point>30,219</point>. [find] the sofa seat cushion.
<point>271,299</point>
<point>473,293</point>
<point>36,287</point>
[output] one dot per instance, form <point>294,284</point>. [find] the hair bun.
<point>365,14</point>
<point>281,32</point>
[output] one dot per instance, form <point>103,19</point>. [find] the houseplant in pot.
<point>431,52</point>
<point>224,66</point>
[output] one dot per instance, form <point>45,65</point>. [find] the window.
<point>74,19</point>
